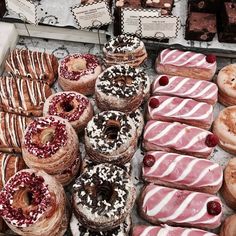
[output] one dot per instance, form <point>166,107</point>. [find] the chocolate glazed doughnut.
<point>50,143</point>
<point>103,197</point>
<point>34,203</point>
<point>72,106</point>
<point>111,136</point>
<point>121,88</point>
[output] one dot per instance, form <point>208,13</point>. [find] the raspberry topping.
<point>164,80</point>
<point>211,58</point>
<point>214,208</point>
<point>211,140</point>
<point>149,160</point>
<point>154,103</point>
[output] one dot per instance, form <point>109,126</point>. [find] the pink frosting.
<point>186,59</point>
<point>180,137</point>
<point>199,90</point>
<point>179,206</point>
<point>165,230</point>
<point>180,108</point>
<point>182,169</point>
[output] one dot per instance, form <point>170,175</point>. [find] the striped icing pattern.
<point>184,170</point>
<point>177,136</point>
<point>187,59</point>
<point>165,230</point>
<point>180,108</point>
<point>199,90</point>
<point>178,206</point>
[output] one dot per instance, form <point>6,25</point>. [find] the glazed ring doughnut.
<point>78,73</point>
<point>138,120</point>
<point>111,136</point>
<point>51,144</point>
<point>72,106</point>
<point>103,197</point>
<point>121,88</point>
<point>34,203</point>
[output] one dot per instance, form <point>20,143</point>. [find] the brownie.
<point>200,26</point>
<point>207,6</point>
<point>128,3</point>
<point>228,17</point>
<point>165,5</point>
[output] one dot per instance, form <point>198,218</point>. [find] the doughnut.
<point>226,81</point>
<point>138,120</point>
<point>23,96</point>
<point>228,190</point>
<point>183,110</point>
<point>199,90</point>
<point>72,106</point>
<point>228,228</point>
<point>35,65</point>
<point>124,49</point>
<point>159,205</point>
<point>186,64</point>
<point>78,73</point>
<point>121,88</point>
<point>103,197</point>
<point>111,136</point>
<point>50,143</point>
<point>79,230</point>
<point>182,172</point>
<point>166,230</point>
<point>180,138</point>
<point>224,127</point>
<point>34,203</point>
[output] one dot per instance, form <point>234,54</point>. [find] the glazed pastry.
<point>184,110</point>
<point>12,129</point>
<point>186,64</point>
<point>23,96</point>
<point>51,144</point>
<point>34,203</point>
<point>182,172</point>
<point>226,82</point>
<point>229,226</point>
<point>229,185</point>
<point>138,120</point>
<point>180,138</point>
<point>224,128</point>
<point>79,230</point>
<point>79,72</point>
<point>165,230</point>
<point>180,207</point>
<point>124,49</point>
<point>10,164</point>
<point>72,106</point>
<point>165,5</point>
<point>35,65</point>
<point>121,88</point>
<point>199,90</point>
<point>111,136</point>
<point>103,197</point>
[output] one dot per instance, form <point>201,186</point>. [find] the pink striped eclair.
<point>199,90</point>
<point>182,172</point>
<point>184,110</point>
<point>159,204</point>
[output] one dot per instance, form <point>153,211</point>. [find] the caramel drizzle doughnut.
<point>39,202</point>
<point>36,140</point>
<point>64,101</point>
<point>91,62</point>
<point>99,137</point>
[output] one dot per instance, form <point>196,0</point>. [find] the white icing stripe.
<point>204,91</point>
<point>201,62</point>
<point>163,104</point>
<point>167,54</point>
<point>177,137</point>
<point>151,193</point>
<point>189,60</point>
<point>177,108</point>
<point>194,88</point>
<point>147,230</point>
<point>5,159</point>
<point>210,95</point>
<point>180,85</point>
<point>196,108</point>
<point>163,232</point>
<point>20,88</point>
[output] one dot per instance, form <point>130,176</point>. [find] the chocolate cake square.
<point>207,6</point>
<point>128,3</point>
<point>228,17</point>
<point>200,26</point>
<point>165,5</point>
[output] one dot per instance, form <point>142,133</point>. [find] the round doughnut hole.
<point>47,135</point>
<point>123,81</point>
<point>112,129</point>
<point>67,106</point>
<point>104,192</point>
<point>23,198</point>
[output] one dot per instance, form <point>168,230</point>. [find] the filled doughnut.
<point>228,228</point>
<point>79,72</point>
<point>51,144</point>
<point>34,203</point>
<point>121,88</point>
<point>111,136</point>
<point>72,106</point>
<point>124,49</point>
<point>103,197</point>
